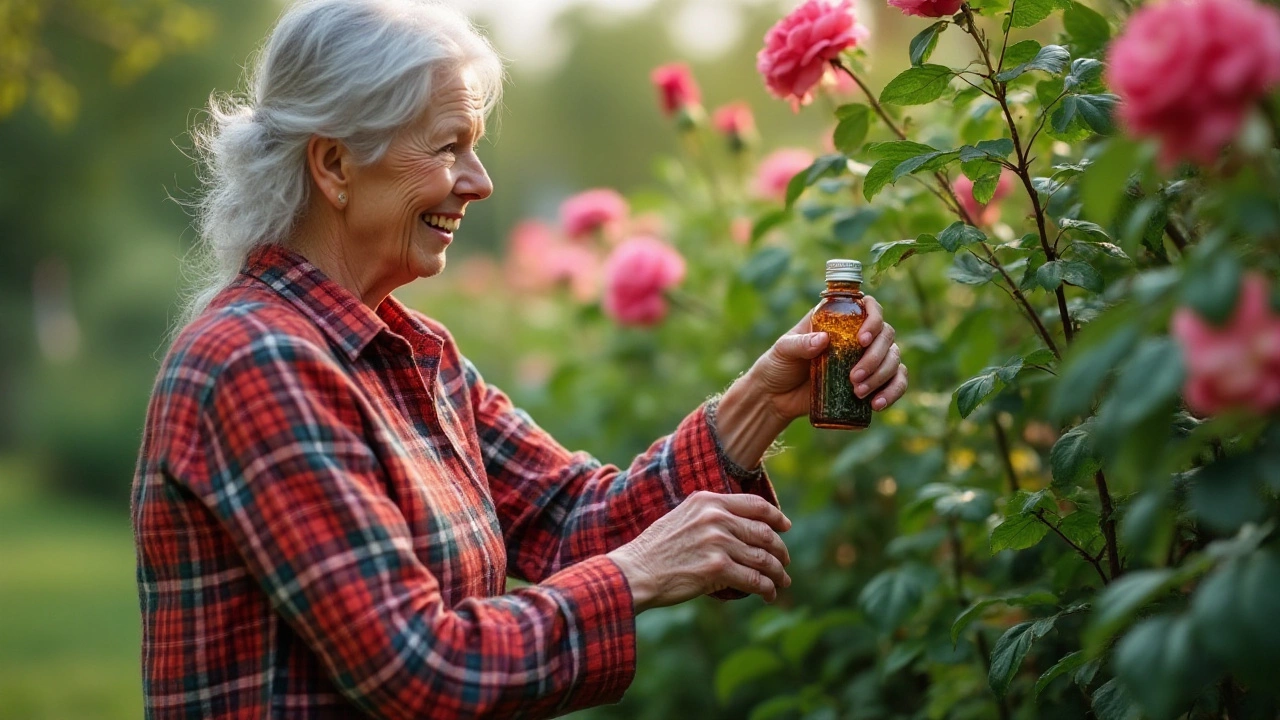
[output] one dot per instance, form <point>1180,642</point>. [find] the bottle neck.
<point>842,287</point>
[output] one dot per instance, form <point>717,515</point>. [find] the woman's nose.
<point>473,181</point>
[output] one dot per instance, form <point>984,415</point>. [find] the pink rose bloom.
<point>676,87</point>
<point>734,119</point>
<point>635,277</point>
<point>530,243</point>
<point>983,214</point>
<point>798,48</point>
<point>777,169</point>
<point>539,260</point>
<point>599,209</point>
<point>1237,365</point>
<point>576,266</point>
<point>740,230</point>
<point>1188,71</point>
<point>928,8</point>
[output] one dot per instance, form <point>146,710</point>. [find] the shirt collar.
<point>341,315</point>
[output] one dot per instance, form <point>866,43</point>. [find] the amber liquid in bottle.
<point>833,404</point>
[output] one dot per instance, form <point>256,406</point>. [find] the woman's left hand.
<point>781,375</point>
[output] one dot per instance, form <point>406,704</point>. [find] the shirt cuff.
<point>601,613</point>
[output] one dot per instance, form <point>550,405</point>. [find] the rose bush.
<point>1074,511</point>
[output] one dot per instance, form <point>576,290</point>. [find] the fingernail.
<point>865,339</point>
<point>859,375</point>
<point>880,403</point>
<point>863,390</point>
<point>816,339</point>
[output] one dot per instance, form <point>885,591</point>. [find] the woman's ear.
<point>329,161</point>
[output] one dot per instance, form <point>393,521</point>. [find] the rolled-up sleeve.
<point>558,508</point>
<point>303,497</point>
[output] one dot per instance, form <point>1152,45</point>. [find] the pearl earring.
<point>342,197</point>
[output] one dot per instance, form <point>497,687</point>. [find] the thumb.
<point>801,346</point>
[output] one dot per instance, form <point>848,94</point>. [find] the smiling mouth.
<point>441,223</point>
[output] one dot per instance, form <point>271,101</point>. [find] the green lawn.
<point>69,622</point>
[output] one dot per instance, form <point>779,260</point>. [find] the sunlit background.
<point>95,100</point>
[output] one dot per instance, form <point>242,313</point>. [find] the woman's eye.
<point>450,148</point>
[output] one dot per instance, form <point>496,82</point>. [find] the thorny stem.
<point>1107,521</point>
<point>871,98</point>
<point>1108,524</point>
<point>1024,163</point>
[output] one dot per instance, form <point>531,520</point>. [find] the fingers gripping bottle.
<point>839,314</point>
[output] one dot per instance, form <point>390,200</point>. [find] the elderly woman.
<point>330,498</point>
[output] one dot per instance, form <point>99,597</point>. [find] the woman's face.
<point>404,209</point>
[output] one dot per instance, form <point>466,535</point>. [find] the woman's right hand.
<point>708,543</point>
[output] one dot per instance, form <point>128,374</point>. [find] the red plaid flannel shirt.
<point>328,502</point>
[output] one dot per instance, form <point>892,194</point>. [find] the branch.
<point>1081,551</point>
<point>1024,163</point>
<point>1032,315</point>
<point>1002,443</point>
<point>1108,524</point>
<point>871,98</point>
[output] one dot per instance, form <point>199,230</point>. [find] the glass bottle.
<point>839,313</point>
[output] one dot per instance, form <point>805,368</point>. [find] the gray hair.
<point>354,70</point>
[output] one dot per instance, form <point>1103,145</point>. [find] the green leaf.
<point>974,611</point>
<point>1052,59</point>
<point>969,270</point>
<point>1082,528</point>
<point>1085,72</point>
<point>984,189</point>
<point>743,667</point>
<point>1018,533</point>
<point>1119,601</point>
<point>977,390</point>
<point>851,225</point>
<point>1224,496</point>
<point>777,708</point>
<point>1097,111</point>
<point>922,45</point>
<point>1097,351</point>
<point>887,255</point>
<point>917,85</point>
<point>1216,289</point>
<point>1088,30</point>
<point>768,222</point>
<point>1074,272</point>
<point>1113,702</point>
<point>852,130</point>
<point>1150,379</point>
<point>986,149</point>
<point>1103,184</point>
<point>890,155</point>
<point>1093,231</point>
<point>1235,610</point>
<point>928,162</point>
<point>825,166</point>
<point>958,235</point>
<point>766,267</point>
<point>1021,52</point>
<point>893,595</point>
<point>1029,12</point>
<point>1011,649</point>
<point>1073,459</point>
<point>1097,249</point>
<point>1162,664</point>
<point>1068,663</point>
